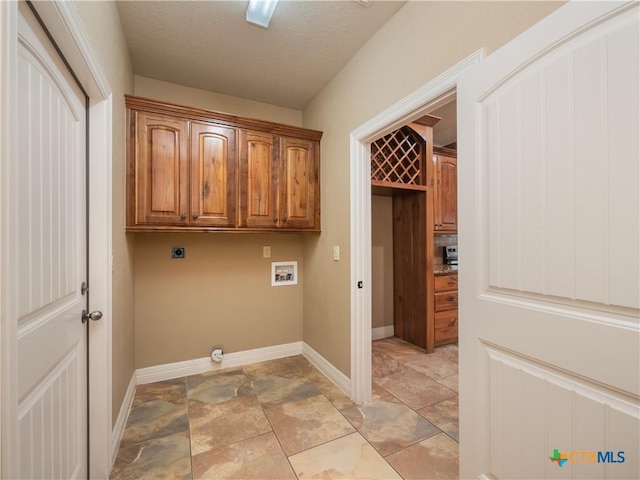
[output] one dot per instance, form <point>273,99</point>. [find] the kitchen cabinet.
<point>445,190</point>
<point>161,180</point>
<point>182,184</point>
<point>259,173</point>
<point>410,259</point>
<point>279,182</point>
<point>401,167</point>
<point>299,185</point>
<point>445,300</point>
<point>195,170</point>
<point>212,183</point>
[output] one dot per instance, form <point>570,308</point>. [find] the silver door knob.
<point>95,315</point>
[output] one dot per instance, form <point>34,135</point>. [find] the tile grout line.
<point>186,401</point>
<point>300,372</point>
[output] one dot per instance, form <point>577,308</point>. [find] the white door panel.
<point>548,158</point>
<point>45,241</point>
<point>549,241</point>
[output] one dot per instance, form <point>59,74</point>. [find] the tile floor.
<point>283,419</point>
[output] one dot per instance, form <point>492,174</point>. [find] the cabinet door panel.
<point>161,156</point>
<point>213,175</point>
<point>446,193</point>
<point>258,180</point>
<point>300,188</point>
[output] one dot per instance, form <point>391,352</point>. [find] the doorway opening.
<point>414,283</point>
<point>433,95</point>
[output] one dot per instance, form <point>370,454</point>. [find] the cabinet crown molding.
<point>446,151</point>
<point>200,114</point>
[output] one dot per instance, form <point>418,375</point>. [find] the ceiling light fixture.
<point>259,12</point>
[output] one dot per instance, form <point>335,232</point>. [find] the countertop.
<point>440,270</point>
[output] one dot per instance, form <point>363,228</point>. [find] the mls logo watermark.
<point>584,456</point>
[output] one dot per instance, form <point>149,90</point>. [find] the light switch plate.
<point>336,253</point>
<point>266,251</point>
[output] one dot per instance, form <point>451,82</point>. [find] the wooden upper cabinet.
<point>278,182</point>
<point>161,164</point>
<point>445,190</point>
<point>195,170</point>
<point>299,184</point>
<point>213,175</point>
<point>258,179</point>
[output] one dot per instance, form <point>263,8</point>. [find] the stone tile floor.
<point>283,419</point>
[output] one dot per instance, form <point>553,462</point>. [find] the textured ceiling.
<point>209,45</point>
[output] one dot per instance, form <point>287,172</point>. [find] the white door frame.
<point>65,26</point>
<point>437,92</point>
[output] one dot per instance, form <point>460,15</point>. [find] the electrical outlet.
<point>178,252</point>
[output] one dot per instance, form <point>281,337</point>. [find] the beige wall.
<point>422,40</point>
<point>102,23</point>
<point>241,311</point>
<point>193,97</point>
<point>221,294</point>
<point>381,261</point>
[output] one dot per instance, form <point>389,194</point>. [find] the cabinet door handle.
<point>195,217</point>
<point>452,299</point>
<point>183,216</point>
<point>275,220</point>
<point>453,322</point>
<point>284,219</point>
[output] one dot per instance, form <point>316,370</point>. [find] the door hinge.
<point>84,288</point>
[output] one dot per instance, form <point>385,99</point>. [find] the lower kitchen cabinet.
<point>445,301</point>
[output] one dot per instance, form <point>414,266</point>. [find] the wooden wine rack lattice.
<point>397,158</point>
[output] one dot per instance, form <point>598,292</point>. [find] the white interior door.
<point>550,250</point>
<point>44,237</point>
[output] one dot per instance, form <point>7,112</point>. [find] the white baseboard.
<point>332,373</point>
<point>200,365</point>
<point>121,421</point>
<point>169,371</point>
<point>382,332</point>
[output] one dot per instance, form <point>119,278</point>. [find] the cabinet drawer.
<point>446,283</point>
<point>446,319</point>
<point>446,327</point>
<point>445,301</point>
<point>446,335</point>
